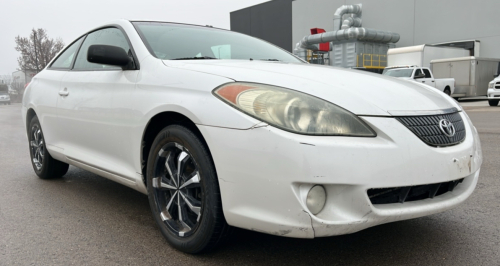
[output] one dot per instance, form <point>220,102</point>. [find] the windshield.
<point>183,42</point>
<point>399,73</point>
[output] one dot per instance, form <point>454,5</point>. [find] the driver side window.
<point>417,72</point>
<point>108,36</point>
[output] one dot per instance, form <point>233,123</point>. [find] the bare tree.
<point>5,79</point>
<point>36,50</point>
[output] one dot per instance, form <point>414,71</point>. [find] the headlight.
<point>293,111</point>
<point>491,84</point>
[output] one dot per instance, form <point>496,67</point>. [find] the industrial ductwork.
<point>355,10</point>
<point>350,37</point>
<point>351,22</point>
<point>349,30</point>
<point>360,34</point>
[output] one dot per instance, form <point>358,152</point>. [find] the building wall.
<point>417,21</point>
<point>20,78</point>
<point>270,21</point>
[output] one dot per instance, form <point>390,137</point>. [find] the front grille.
<point>497,86</point>
<point>427,128</point>
<point>412,193</point>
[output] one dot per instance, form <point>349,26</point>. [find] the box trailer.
<point>421,55</point>
<point>471,74</point>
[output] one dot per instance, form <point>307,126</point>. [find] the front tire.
<point>183,191</point>
<point>493,102</point>
<point>44,165</point>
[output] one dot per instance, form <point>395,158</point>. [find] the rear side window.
<point>65,60</point>
<point>427,73</point>
<point>108,36</point>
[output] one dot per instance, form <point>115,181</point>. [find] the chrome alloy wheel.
<point>177,189</point>
<point>37,147</point>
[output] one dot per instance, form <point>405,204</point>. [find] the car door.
<point>92,104</point>
<point>428,80</point>
<point>45,93</point>
<point>424,80</point>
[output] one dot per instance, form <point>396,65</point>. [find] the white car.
<point>494,92</point>
<point>221,129</point>
<point>4,98</point>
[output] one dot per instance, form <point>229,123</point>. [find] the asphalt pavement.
<point>84,219</point>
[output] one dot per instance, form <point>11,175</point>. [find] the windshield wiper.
<point>271,59</point>
<point>194,58</point>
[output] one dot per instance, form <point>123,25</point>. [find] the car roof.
<point>176,23</point>
<point>403,66</point>
<point>122,22</point>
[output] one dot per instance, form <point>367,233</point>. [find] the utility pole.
<point>36,55</point>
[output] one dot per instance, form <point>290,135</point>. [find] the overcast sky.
<point>69,19</point>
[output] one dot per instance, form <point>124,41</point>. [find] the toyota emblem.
<point>447,127</point>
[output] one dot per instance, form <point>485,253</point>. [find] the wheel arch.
<point>155,125</point>
<point>29,115</point>
<point>447,87</point>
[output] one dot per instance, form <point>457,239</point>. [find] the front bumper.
<point>265,173</point>
<point>493,94</point>
<point>3,100</point>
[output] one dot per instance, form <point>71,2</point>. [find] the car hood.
<point>359,92</point>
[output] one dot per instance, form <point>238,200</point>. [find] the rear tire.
<point>183,191</point>
<point>44,165</point>
<point>447,91</point>
<point>493,102</point>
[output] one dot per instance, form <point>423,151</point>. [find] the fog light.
<point>316,198</point>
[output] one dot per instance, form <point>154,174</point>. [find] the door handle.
<point>433,81</point>
<point>64,92</point>
<point>423,81</point>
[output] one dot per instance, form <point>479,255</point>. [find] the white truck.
<point>494,92</point>
<point>421,75</point>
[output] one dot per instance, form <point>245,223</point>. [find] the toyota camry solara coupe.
<point>220,129</point>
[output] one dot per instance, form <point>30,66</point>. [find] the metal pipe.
<point>351,30</point>
<point>345,9</point>
<point>360,34</point>
<point>300,52</point>
<point>351,22</point>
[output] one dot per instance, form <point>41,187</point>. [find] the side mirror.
<point>108,55</point>
<point>419,76</point>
